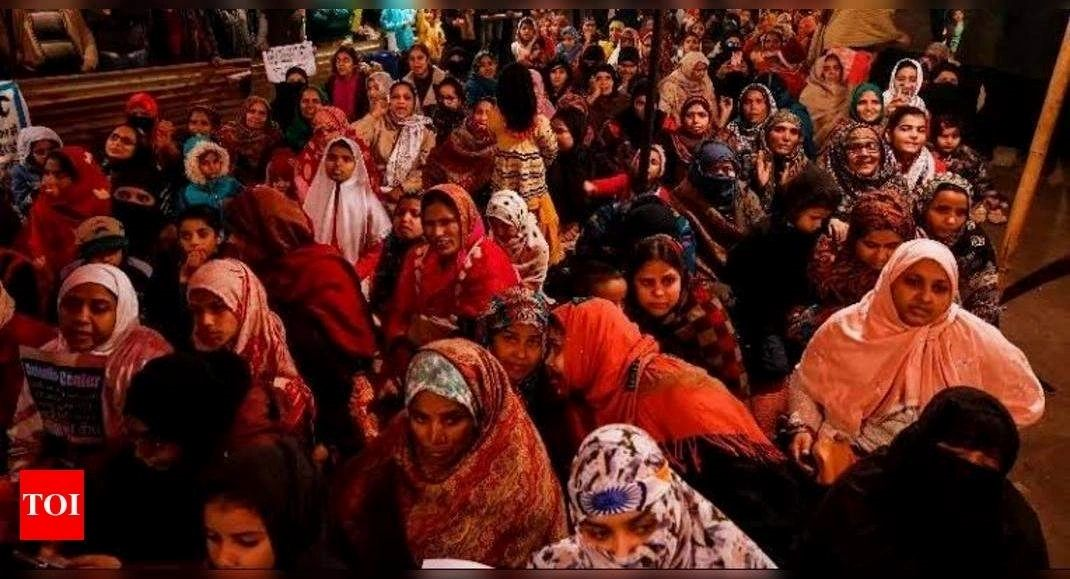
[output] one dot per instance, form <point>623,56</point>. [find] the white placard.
<point>13,116</point>
<point>279,59</point>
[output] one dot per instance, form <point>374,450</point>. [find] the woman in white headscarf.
<point>904,85</point>
<point>690,79</point>
<point>98,316</point>
<point>621,475</point>
<point>343,205</point>
<point>515,228</point>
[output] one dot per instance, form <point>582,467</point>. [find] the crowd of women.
<point>452,316</point>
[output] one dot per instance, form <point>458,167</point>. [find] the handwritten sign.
<point>13,116</point>
<point>68,391</point>
<point>279,59</point>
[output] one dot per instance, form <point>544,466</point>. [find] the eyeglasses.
<point>863,147</point>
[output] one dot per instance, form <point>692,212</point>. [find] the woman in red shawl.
<point>450,281</point>
<point>613,373</point>
<point>73,189</point>
<point>143,112</point>
<point>317,294</point>
<point>491,497</point>
<point>249,138</point>
<point>328,124</point>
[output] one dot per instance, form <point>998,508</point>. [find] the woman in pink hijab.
<point>873,366</point>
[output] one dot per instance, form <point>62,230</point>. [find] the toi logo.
<point>52,505</point>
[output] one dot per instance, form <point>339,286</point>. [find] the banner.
<point>13,116</point>
<point>68,391</point>
<point>279,59</point>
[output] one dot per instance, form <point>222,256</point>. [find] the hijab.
<point>719,190</point>
<point>30,135</point>
<point>678,87</point>
<point>914,100</point>
<point>685,143</point>
<point>246,142</point>
<point>126,304</point>
<point>620,469</point>
<point>865,360</point>
<point>794,162</point>
<point>852,184</point>
<point>745,131</point>
<point>406,151</point>
<point>478,87</point>
<point>333,124</point>
<point>527,249</point>
<point>856,95</point>
<point>347,214</point>
<point>299,130</point>
<point>826,101</point>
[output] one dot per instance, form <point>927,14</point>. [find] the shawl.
<point>301,274</point>
<point>826,101</point>
<point>465,158</point>
<point>329,124</point>
<point>30,135</point>
<point>746,133</point>
<point>922,169</point>
<point>620,469</point>
<point>686,144</point>
<point>678,86</point>
<point>470,511</point>
<point>406,149</point>
<point>261,339</point>
<point>784,167</point>
<point>527,249</point>
<point>887,176</point>
<point>347,215</point>
<point>248,147</point>
<point>478,87</point>
<point>856,95</point>
<point>864,361</point>
<point>620,375</point>
<point>915,100</point>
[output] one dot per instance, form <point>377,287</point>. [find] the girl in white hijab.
<point>515,228</point>
<point>904,86</point>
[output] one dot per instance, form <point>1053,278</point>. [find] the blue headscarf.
<point>719,190</point>
<point>478,87</point>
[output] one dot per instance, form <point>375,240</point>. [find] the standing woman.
<point>514,228</point>
<point>423,77</point>
<point>345,87</point>
<point>249,139</point>
<point>907,132</point>
<point>526,146</point>
<point>825,96</point>
<point>400,141</point>
<point>445,478</point>
<point>483,80</point>
<point>466,156</point>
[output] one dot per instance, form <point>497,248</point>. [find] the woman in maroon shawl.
<point>317,294</point>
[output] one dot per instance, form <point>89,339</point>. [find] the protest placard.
<point>68,391</point>
<point>13,116</point>
<point>279,59</point>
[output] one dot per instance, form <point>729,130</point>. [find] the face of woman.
<point>196,235</point>
<point>519,348</point>
<point>442,429</point>
<point>603,81</point>
<point>339,163</point>
<point>210,164</point>
<point>481,115</point>
<point>199,123</point>
<point>121,144</point>
<point>558,77</point>
<point>55,180</point>
<point>40,149</point>
<point>343,64</point>
<point>442,229</point>
<point>755,109</point>
<point>863,153</point>
<point>214,324</point>
<point>310,104</point>
<point>527,32</point>
<point>947,77</point>
<point>922,293</point>
<point>402,101</point>
<point>418,63</point>
<point>876,247</point>
<point>618,535</point>
<point>487,67</point>
<point>639,105</point>
<point>407,219</point>
<point>691,43</point>
<point>236,537</point>
<point>256,117</point>
<point>87,316</point>
<point>565,142</point>
<point>906,80</point>
<point>947,213</point>
<point>783,138</point>
<point>153,452</point>
<point>627,70</point>
<point>908,137</point>
<point>696,120</point>
<point>447,96</point>
<point>832,70</point>
<point>502,231</point>
<point>869,107</point>
<point>657,287</point>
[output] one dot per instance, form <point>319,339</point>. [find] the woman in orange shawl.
<point>495,503</point>
<point>615,374</point>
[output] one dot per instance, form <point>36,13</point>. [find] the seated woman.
<point>825,95</point>
<point>631,510</point>
<point>781,157</point>
<point>872,368</point>
<point>691,79</point>
<point>407,232</point>
<point>249,139</point>
<point>299,131</point>
<point>33,145</point>
<point>682,311</point>
<point>904,86</point>
<point>344,207</point>
<point>317,294</point>
<point>450,111</point>
<point>447,283</point>
<point>328,124</point>
<point>444,479</point>
<point>514,228</point>
<point>466,157</point>
<point>756,106</point>
<point>916,506</point>
<point>696,125</point>
<point>942,212</point>
<point>907,132</point>
<point>861,160</point>
<point>16,330</point>
<point>103,239</point>
<point>127,149</point>
<point>230,312</point>
<point>210,182</point>
<point>400,141</point>
<point>483,79</point>
<point>866,106</point>
<point>98,316</point>
<point>612,373</point>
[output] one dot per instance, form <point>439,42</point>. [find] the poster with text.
<point>68,391</point>
<point>279,59</point>
<point>13,116</point>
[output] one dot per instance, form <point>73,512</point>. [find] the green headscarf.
<point>857,93</point>
<point>299,132</point>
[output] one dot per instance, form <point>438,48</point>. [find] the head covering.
<point>796,159</point>
<point>299,130</point>
<point>654,150</point>
<point>432,372</point>
<point>744,131</point>
<point>246,142</point>
<point>348,214</point>
<point>140,202</point>
<point>620,469</point>
<point>527,248</point>
<point>100,234</point>
<point>329,124</point>
<point>145,102</point>
<point>466,157</point>
<point>679,86</point>
<point>468,216</point>
<point>885,177</point>
<point>30,135</point>
<point>866,361</point>
<point>478,86</point>
<point>826,101</point>
<point>406,152</point>
<point>914,100</point>
<point>856,95</point>
<point>928,192</point>
<point>126,307</point>
<point>684,142</point>
<point>516,305</point>
<point>193,160</point>
<point>719,190</point>
<point>470,511</point>
<point>280,167</point>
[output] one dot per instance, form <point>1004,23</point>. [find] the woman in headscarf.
<point>942,212</point>
<point>406,233</point>
<point>73,189</point>
<point>33,146</point>
<point>379,91</point>
<point>483,80</point>
<point>249,139</point>
<point>528,49</point>
<point>620,474</point>
<point>785,100</point>
<point>143,112</point>
<point>904,85</point>
<point>626,132</point>
<point>865,106</point>
<point>514,228</point>
<point>230,312</point>
<point>423,76</point>
<point>937,499</point>
<point>682,311</point>
<point>317,294</point>
<point>98,315</point>
<point>604,100</point>
<point>907,133</point>
<point>861,160</point>
<point>466,157</point>
<point>558,83</point>
<point>328,124</point>
<point>825,96</point>
<point>286,103</point>
<point>450,111</point>
<point>756,107</point>
<point>613,373</point>
<point>687,81</point>
<point>781,158</point>
<point>567,178</point>
<point>299,130</point>
<point>872,368</point>
<point>696,124</point>
<point>443,480</point>
<point>345,211</point>
<point>345,87</point>
<point>400,141</point>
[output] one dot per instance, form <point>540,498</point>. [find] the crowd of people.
<point>446,311</point>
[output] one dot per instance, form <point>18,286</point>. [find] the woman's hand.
<point>763,166</point>
<point>724,111</point>
<point>838,228</point>
<point>800,450</point>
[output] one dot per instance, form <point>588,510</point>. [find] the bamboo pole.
<point>650,110</point>
<point>1038,151</point>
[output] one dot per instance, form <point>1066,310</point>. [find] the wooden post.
<point>1038,151</point>
<point>650,110</point>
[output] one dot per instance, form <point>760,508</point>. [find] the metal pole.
<point>649,114</point>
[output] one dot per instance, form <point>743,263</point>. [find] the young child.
<point>964,161</point>
<point>33,145</point>
<point>598,279</point>
<point>208,171</point>
<point>202,123</point>
<point>102,239</point>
